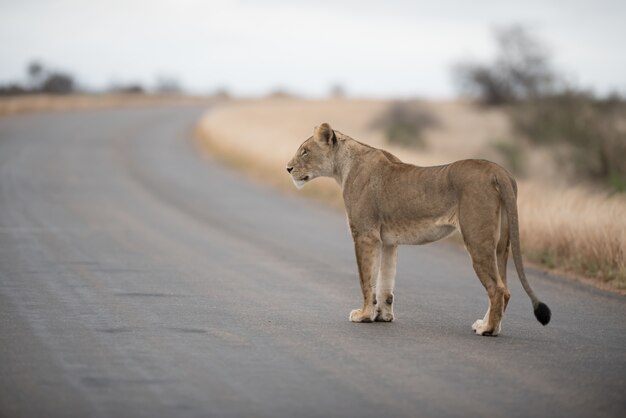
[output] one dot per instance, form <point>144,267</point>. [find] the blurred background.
<point>538,87</point>
<point>399,49</point>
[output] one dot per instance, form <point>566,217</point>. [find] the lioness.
<point>389,203</point>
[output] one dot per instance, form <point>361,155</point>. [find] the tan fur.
<point>390,203</point>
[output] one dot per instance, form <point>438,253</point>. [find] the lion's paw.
<point>358,315</point>
<point>384,316</point>
<point>480,327</point>
<point>477,323</point>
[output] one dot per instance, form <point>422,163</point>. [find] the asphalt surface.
<point>138,278</point>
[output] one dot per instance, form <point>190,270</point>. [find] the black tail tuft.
<point>542,313</point>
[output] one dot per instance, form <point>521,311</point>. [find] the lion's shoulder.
<point>391,157</point>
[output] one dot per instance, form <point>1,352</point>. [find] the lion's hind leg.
<point>502,253</point>
<point>480,227</point>
<point>486,270</point>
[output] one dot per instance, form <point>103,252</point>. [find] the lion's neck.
<point>347,159</point>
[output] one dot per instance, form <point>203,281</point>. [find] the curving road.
<point>139,279</point>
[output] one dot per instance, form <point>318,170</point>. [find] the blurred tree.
<point>584,132</point>
<point>521,70</point>
<point>36,73</point>
<point>58,83</point>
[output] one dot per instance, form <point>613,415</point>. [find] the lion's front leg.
<point>385,284</point>
<point>368,252</point>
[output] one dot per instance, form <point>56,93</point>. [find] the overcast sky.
<point>373,48</point>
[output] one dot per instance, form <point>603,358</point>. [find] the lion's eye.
<point>305,153</point>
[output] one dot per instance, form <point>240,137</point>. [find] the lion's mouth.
<point>299,183</point>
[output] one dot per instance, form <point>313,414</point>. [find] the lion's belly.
<point>417,232</point>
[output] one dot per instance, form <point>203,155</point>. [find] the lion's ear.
<point>325,134</point>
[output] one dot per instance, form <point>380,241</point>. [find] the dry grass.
<point>575,229</point>
<point>568,229</point>
<point>41,102</point>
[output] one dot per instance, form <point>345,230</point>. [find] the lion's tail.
<point>507,189</point>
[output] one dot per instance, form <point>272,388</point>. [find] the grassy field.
<point>567,228</point>
<point>39,102</point>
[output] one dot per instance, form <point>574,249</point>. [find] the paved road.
<point>139,279</point>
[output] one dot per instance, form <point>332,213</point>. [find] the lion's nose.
<point>289,169</point>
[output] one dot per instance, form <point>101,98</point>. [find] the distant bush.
<point>222,93</point>
<point>337,91</point>
<point>41,80</point>
<point>168,85</point>
<point>58,83</point>
<point>281,93</point>
<point>594,129</point>
<point>404,123</point>
<point>12,90</point>
<point>132,88</point>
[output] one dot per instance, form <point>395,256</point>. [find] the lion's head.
<point>314,157</point>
